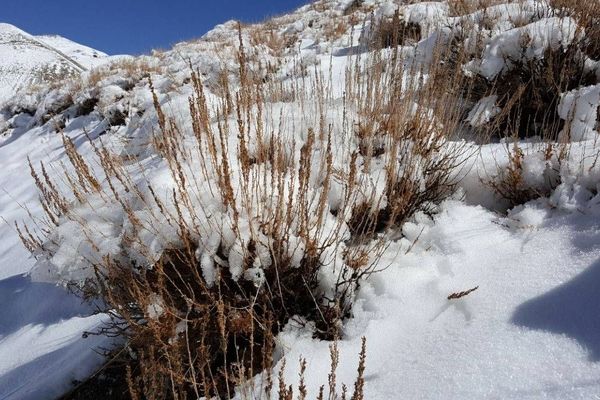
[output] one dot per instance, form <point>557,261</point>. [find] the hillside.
<point>27,60</point>
<point>422,175</point>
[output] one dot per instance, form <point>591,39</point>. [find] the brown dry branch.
<point>459,295</point>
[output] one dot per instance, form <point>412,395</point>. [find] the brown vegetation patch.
<point>510,183</point>
<point>390,33</point>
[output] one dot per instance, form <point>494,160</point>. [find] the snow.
<point>84,55</point>
<point>41,345</point>
<point>530,330</point>
<point>41,325</point>
<point>579,107</point>
<point>483,111</point>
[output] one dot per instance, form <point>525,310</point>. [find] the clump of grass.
<point>464,7</point>
<point>393,32</point>
<point>252,239</point>
<point>510,183</point>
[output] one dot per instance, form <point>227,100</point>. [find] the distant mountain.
<point>27,60</point>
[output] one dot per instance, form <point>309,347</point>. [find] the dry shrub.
<point>529,91</point>
<point>129,67</point>
<point>233,319</point>
<point>407,128</point>
<point>192,329</point>
<point>136,67</point>
<point>286,392</point>
<point>54,75</point>
<point>200,319</point>
<point>335,29</point>
<point>278,43</point>
<point>510,183</point>
<point>393,32</point>
<point>96,75</point>
<point>115,379</point>
<point>463,7</point>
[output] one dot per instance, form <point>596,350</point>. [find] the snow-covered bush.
<point>528,177</point>
<point>241,214</point>
<point>390,31</point>
<point>587,15</point>
<point>526,71</point>
<point>406,140</point>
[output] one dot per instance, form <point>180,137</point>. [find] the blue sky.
<point>134,26</point>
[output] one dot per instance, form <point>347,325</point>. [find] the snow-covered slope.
<point>27,60</point>
<point>530,330</point>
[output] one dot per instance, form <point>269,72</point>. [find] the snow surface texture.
<point>531,330</point>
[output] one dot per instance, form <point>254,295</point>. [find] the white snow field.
<point>531,329</point>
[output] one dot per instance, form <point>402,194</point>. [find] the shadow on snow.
<point>572,309</point>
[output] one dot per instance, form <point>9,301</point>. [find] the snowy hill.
<point>27,60</point>
<point>85,56</point>
<point>486,289</point>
